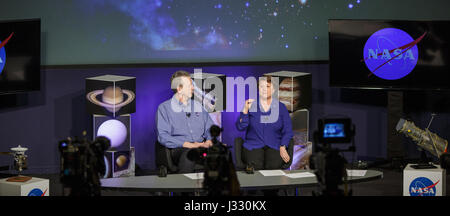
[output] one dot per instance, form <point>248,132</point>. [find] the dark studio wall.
<point>38,120</point>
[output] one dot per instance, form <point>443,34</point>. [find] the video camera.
<point>328,164</point>
<point>220,173</point>
<point>82,163</point>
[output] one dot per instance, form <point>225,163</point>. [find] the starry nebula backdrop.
<point>218,30</point>
<point>194,31</point>
<point>212,24</point>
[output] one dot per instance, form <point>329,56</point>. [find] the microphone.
<point>188,115</point>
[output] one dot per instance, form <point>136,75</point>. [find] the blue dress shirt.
<point>177,123</point>
<point>274,134</point>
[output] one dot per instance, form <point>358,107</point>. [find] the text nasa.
<point>426,190</point>
<point>373,54</point>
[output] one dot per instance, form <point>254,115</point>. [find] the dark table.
<point>181,183</point>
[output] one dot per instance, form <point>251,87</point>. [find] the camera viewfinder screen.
<point>334,130</point>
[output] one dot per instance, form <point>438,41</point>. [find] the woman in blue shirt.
<point>268,129</point>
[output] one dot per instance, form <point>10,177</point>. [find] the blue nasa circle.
<point>35,192</point>
<point>419,187</point>
<point>2,59</point>
<point>383,48</point>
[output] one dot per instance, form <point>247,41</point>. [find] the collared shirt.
<point>263,129</point>
<point>177,123</point>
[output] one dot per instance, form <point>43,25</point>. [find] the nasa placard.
<point>424,182</point>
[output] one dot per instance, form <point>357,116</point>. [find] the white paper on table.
<point>300,175</point>
<point>194,176</point>
<point>272,172</point>
<point>356,172</point>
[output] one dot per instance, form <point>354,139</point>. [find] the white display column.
<point>424,182</point>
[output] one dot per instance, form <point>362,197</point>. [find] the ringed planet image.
<point>111,98</point>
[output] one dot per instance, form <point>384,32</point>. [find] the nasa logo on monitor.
<point>391,53</point>
<point>3,52</point>
<point>422,186</point>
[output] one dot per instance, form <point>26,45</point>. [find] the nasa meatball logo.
<point>391,53</point>
<point>3,52</point>
<point>422,187</point>
<point>37,192</point>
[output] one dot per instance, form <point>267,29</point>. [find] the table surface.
<point>31,181</point>
<point>179,182</point>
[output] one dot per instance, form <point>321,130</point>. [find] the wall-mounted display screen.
<point>389,54</point>
<point>20,43</point>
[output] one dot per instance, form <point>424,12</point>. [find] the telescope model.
<point>425,139</point>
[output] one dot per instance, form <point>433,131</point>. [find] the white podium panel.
<point>33,187</point>
<point>424,182</point>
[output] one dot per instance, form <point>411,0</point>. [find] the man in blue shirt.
<point>182,123</point>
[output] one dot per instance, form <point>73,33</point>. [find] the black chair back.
<point>238,145</point>
<point>164,158</point>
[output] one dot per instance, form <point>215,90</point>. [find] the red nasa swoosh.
<point>431,186</point>
<point>6,41</point>
<point>43,194</point>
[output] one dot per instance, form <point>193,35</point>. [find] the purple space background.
<point>59,111</point>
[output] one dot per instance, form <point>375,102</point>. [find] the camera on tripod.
<point>328,164</point>
<point>82,163</point>
<point>220,176</point>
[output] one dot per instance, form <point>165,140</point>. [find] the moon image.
<point>121,160</point>
<point>114,130</point>
<point>112,98</point>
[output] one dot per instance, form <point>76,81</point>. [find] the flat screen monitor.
<point>20,47</point>
<point>389,54</point>
<point>335,130</point>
